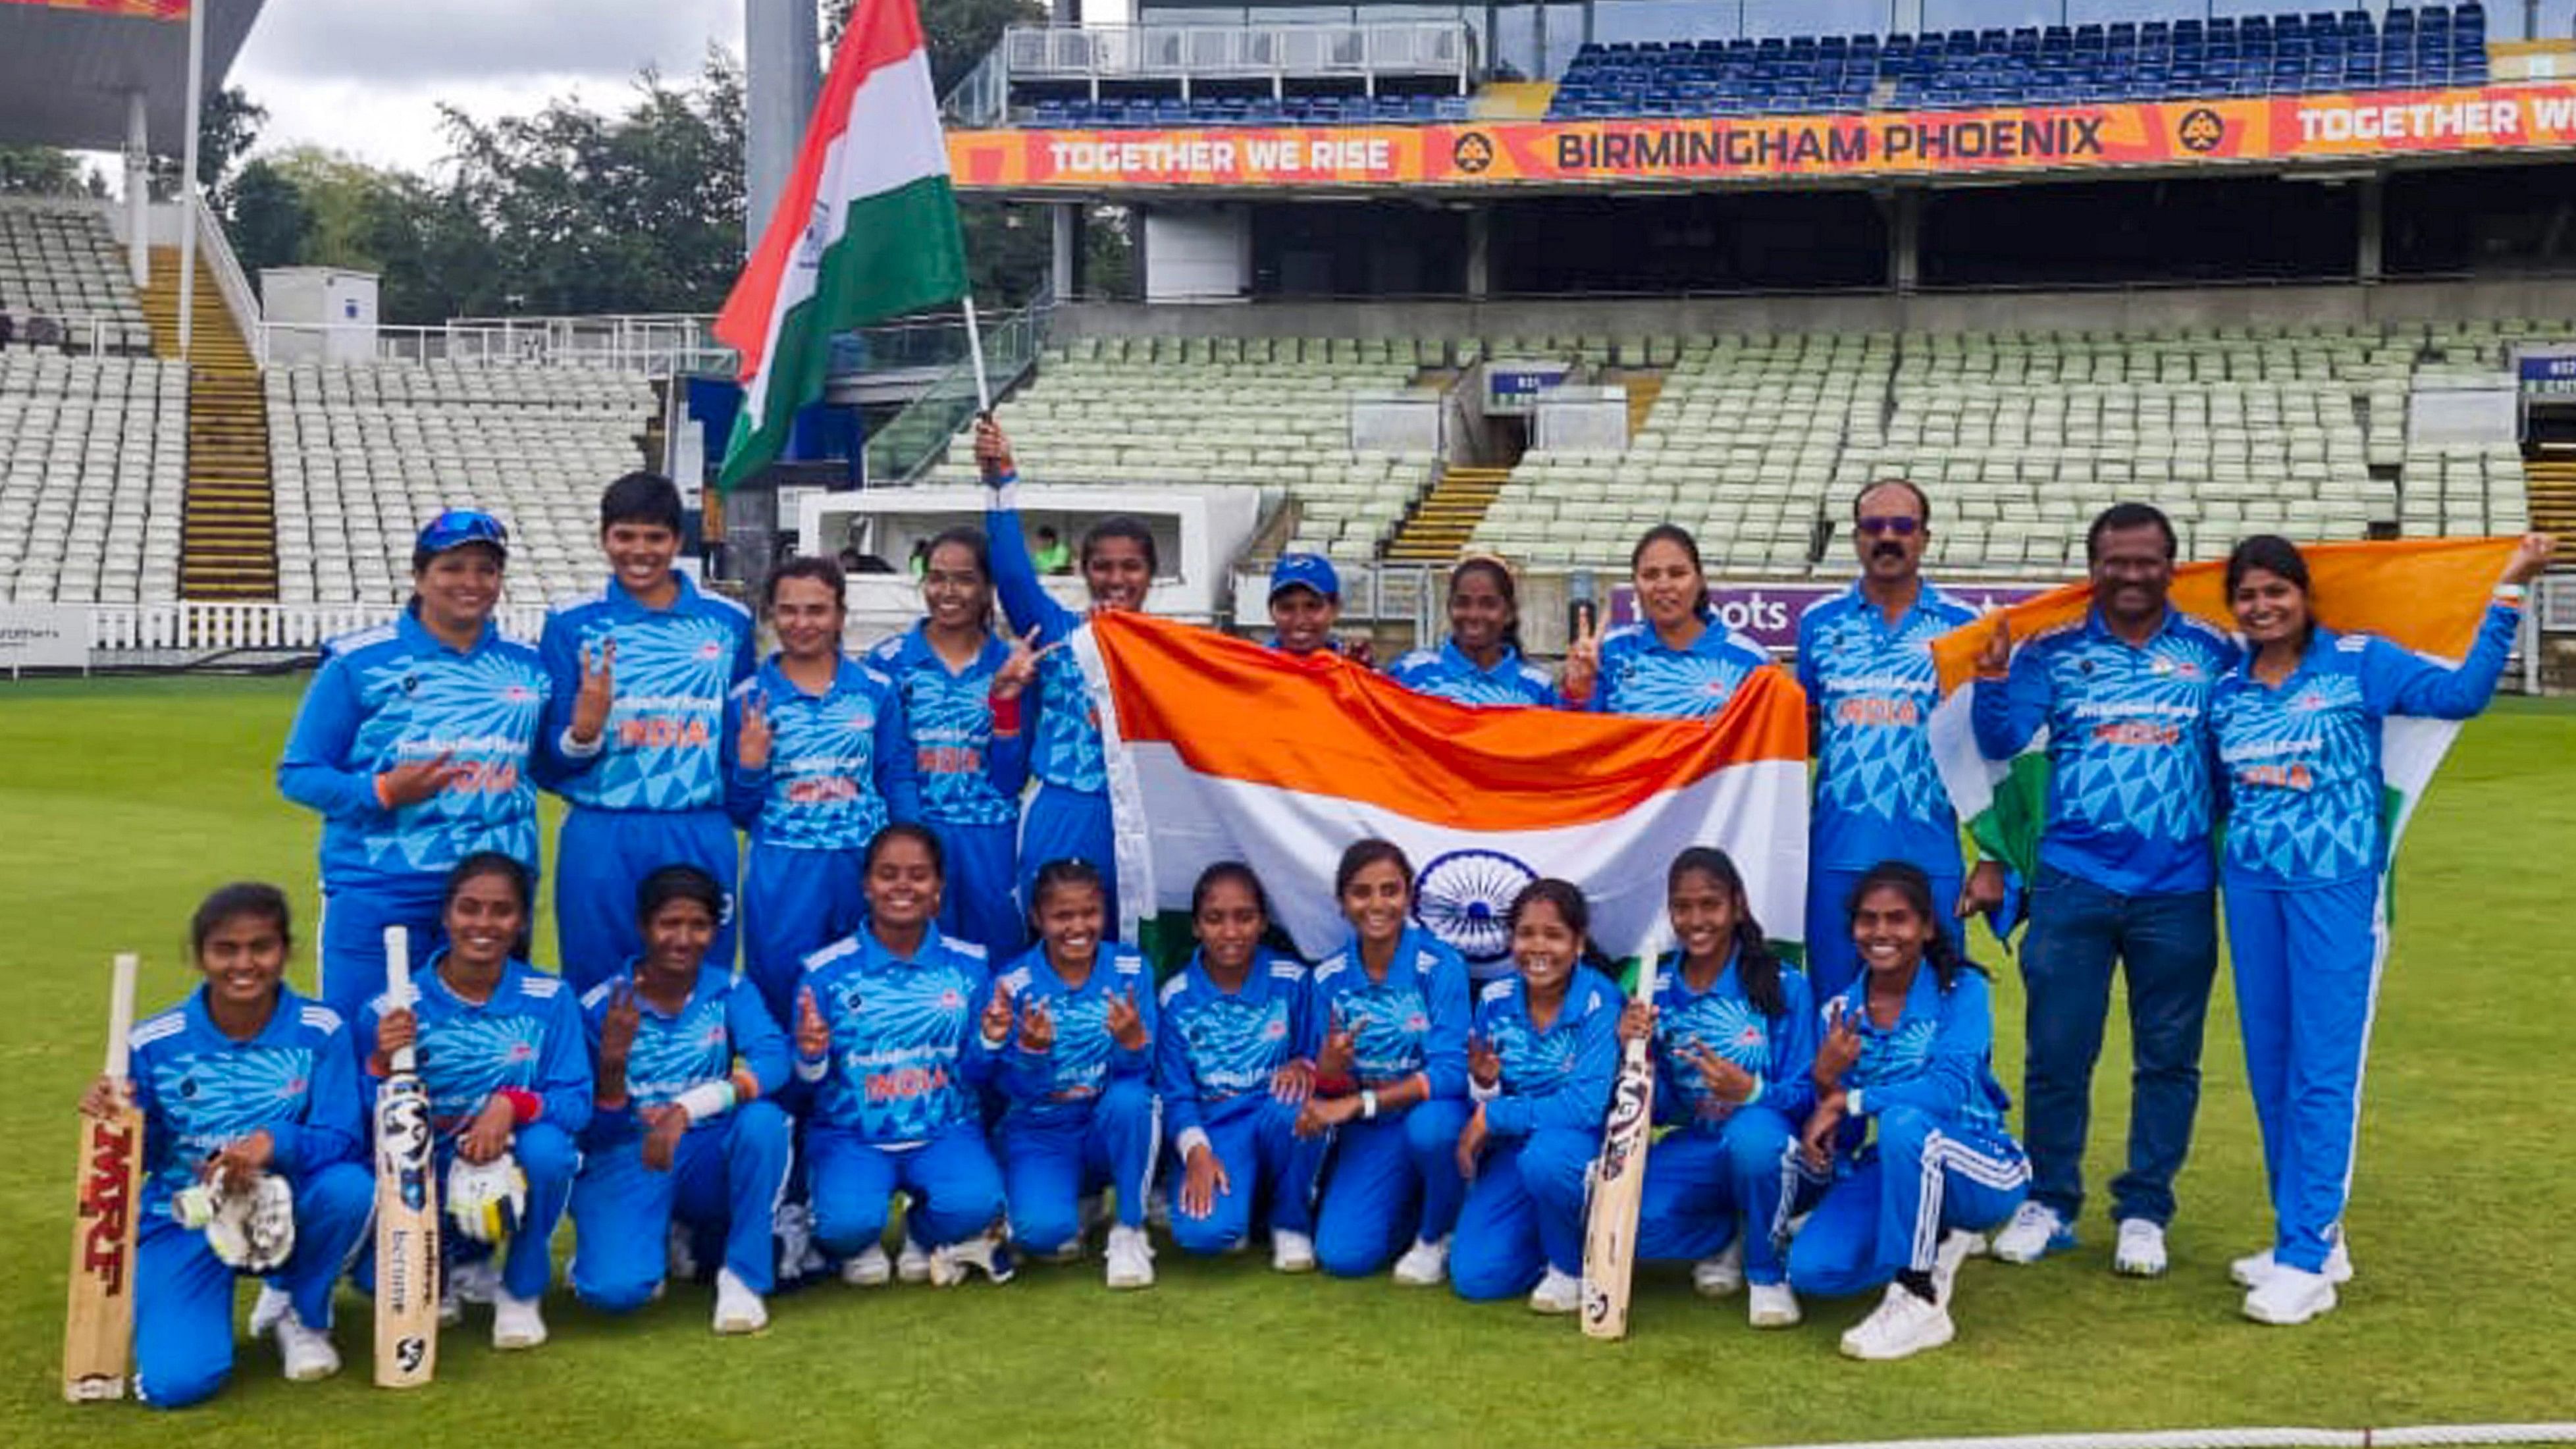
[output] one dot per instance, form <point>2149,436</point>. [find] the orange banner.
<point>1733,148</point>
<point>129,9</point>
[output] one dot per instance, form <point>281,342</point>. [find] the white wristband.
<point>1851,1103</point>
<point>1758,1086</point>
<point>1479,1092</point>
<point>575,749</point>
<point>1368,1104</point>
<point>1191,1140</point>
<point>705,1100</point>
<point>813,1070</point>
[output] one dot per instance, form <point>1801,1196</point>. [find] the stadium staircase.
<point>2551,479</point>
<point>1439,526</point>
<point>228,542</point>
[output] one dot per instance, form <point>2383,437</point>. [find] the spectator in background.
<point>8,330</point>
<point>1051,556</point>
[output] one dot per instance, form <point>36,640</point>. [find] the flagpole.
<point>975,349</point>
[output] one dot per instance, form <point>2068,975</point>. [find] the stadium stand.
<point>93,457</point>
<point>1163,75</point>
<point>60,262</point>
<point>1168,112</point>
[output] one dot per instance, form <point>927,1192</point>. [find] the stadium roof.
<point>66,67</point>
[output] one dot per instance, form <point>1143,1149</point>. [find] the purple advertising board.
<point>1768,613</point>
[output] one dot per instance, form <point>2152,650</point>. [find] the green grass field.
<point>124,800</point>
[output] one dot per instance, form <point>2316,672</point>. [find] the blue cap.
<point>1305,571</point>
<point>458,527</point>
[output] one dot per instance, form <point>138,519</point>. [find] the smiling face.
<point>676,937</point>
<point>2269,608</point>
<point>1478,612</point>
<point>2131,573</point>
<point>1303,618</point>
<point>459,588</point>
<point>1115,571</point>
<point>483,920</point>
<point>903,885</point>
<point>640,555</point>
<point>1069,918</point>
<point>1229,925</point>
<point>1377,901</point>
<point>954,590</point>
<point>244,959</point>
<point>1889,533</point>
<point>1890,933</point>
<point>1668,584</point>
<point>1545,946</point>
<point>1704,913</point>
<point>807,615</point>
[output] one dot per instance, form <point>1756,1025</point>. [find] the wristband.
<point>996,1043</point>
<point>1756,1096</point>
<point>575,749</point>
<point>1368,1104</point>
<point>1190,1140</point>
<point>1479,1092</point>
<point>705,1100</point>
<point>1851,1103</point>
<point>2511,594</point>
<point>813,1069</point>
<point>524,1104</point>
<point>1006,713</point>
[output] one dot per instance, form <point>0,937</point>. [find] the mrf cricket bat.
<point>98,1323</point>
<point>406,1206</point>
<point>1619,1181</point>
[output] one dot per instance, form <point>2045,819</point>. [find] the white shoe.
<point>1556,1294</point>
<point>679,1254</point>
<point>872,1269</point>
<point>479,1282</point>
<point>1720,1276</point>
<point>793,1227</point>
<point>2290,1296</point>
<point>1291,1252</point>
<point>308,1351</point>
<point>451,1304</point>
<point>1773,1305</point>
<point>738,1309</point>
<point>912,1262</point>
<point>272,1308</point>
<point>516,1323</point>
<point>1904,1324</point>
<point>1131,1259</point>
<point>2141,1250</point>
<point>988,1251</point>
<point>2034,1232</point>
<point>2248,1271</point>
<point>1426,1264</point>
<point>1957,1246</point>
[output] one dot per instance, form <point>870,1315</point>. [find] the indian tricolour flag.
<point>1220,749</point>
<point>2429,595</point>
<point>866,230</point>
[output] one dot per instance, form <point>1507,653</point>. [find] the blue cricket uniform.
<point>728,1172</point>
<point>1081,1114</point>
<point>1942,1158</point>
<point>896,1102</point>
<point>525,1038</point>
<point>1394,1179</point>
<point>395,695</point>
<point>2125,875</point>
<point>653,793</point>
<point>840,768</point>
<point>1447,673</point>
<point>1728,1162</point>
<point>1524,1211</point>
<point>200,1091</point>
<point>1640,674</point>
<point>2307,843</point>
<point>1216,1054</point>
<point>1878,795</point>
<point>1069,816</point>
<point>971,776</point>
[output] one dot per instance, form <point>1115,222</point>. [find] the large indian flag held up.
<point>865,230</point>
<point>2428,595</point>
<point>1220,749</point>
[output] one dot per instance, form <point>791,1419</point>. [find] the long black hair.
<point>1503,584</point>
<point>1571,908</point>
<point>1908,880</point>
<point>255,898</point>
<point>1757,967</point>
<point>1679,537</point>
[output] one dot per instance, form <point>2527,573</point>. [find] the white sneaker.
<point>1556,1294</point>
<point>792,1225</point>
<point>2290,1296</point>
<point>479,1282</point>
<point>1426,1264</point>
<point>2034,1232</point>
<point>871,1269</point>
<point>1957,1246</point>
<point>988,1251</point>
<point>1291,1252</point>
<point>451,1304</point>
<point>308,1351</point>
<point>2141,1250</point>
<point>1720,1276</point>
<point>271,1308</point>
<point>679,1254</point>
<point>516,1323</point>
<point>1773,1305</point>
<point>738,1309</point>
<point>2251,1270</point>
<point>1903,1325</point>
<point>1131,1259</point>
<point>912,1263</point>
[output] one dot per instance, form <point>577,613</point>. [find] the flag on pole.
<point>865,230</point>
<point>1220,749</point>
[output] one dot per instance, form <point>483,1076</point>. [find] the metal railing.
<point>216,251</point>
<point>913,439</point>
<point>216,627</point>
<point>653,346</point>
<point>1091,55</point>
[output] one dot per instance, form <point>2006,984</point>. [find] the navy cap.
<point>458,527</point>
<point>1306,571</point>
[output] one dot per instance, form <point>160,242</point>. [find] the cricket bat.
<point>406,1206</point>
<point>98,1322</point>
<point>1619,1181</point>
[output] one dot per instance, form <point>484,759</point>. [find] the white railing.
<point>655,347</point>
<point>81,334</point>
<point>1413,48</point>
<point>215,627</point>
<point>216,250</point>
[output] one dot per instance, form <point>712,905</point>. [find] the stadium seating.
<point>363,454</point>
<point>59,261</point>
<point>93,478</point>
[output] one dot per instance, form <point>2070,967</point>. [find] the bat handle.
<point>398,965</point>
<point>120,1014</point>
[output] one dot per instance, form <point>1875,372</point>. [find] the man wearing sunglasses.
<point>1865,660</point>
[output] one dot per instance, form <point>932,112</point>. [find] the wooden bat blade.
<point>1618,1187</point>
<point>98,1321</point>
<point>406,1238</point>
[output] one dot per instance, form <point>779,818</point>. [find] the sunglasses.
<point>1901,525</point>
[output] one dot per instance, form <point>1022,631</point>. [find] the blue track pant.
<point>956,1189</point>
<point>1046,1166</point>
<point>980,902</point>
<point>354,919</point>
<point>1062,824</point>
<point>547,1156</point>
<point>1888,1214</point>
<point>725,1179</point>
<point>1393,1181</point>
<point>1523,1213</point>
<point>183,1293</point>
<point>1268,1168</point>
<point>2307,965</point>
<point>794,903</point>
<point>1701,1183</point>
<point>601,856</point>
<point>1832,959</point>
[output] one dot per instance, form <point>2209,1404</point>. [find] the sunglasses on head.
<point>1902,525</point>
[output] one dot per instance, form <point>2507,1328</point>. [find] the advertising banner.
<point>1768,613</point>
<point>44,636</point>
<point>127,9</point>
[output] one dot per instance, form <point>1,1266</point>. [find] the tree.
<point>269,221</point>
<point>957,33</point>
<point>227,127</point>
<point>46,171</point>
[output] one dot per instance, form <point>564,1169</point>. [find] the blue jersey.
<point>1777,1050</point>
<point>395,695</point>
<point>723,1022</point>
<point>969,775</point>
<point>1060,1084</point>
<point>907,1052</point>
<point>1878,796</point>
<point>840,762</point>
<point>1413,1021</point>
<point>2302,758</point>
<point>1640,674</point>
<point>1553,1077</point>
<point>1215,1051</point>
<point>296,1080</point>
<point>1937,1058</point>
<point>526,1036</point>
<point>663,748</point>
<point>2130,794</point>
<point>1447,673</point>
<point>1064,739</point>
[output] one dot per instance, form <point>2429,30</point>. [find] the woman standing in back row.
<point>1481,661</point>
<point>1678,661</point>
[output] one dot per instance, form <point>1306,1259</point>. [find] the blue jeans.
<point>2169,946</point>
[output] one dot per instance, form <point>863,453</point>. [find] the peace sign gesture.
<point>1341,1048</point>
<point>1582,660</point>
<point>1126,1024</point>
<point>1020,670</point>
<point>1839,1050</point>
<point>598,692</point>
<point>752,741</point>
<point>1037,1029</point>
